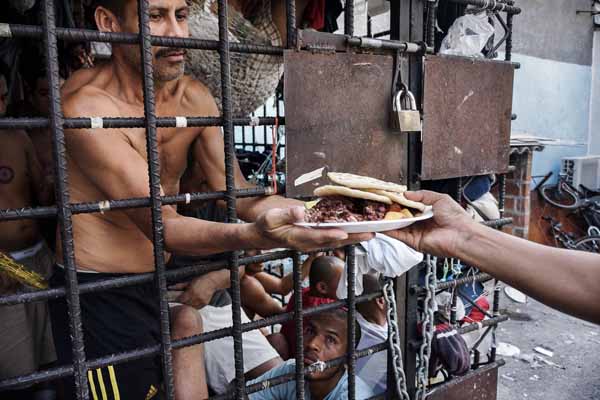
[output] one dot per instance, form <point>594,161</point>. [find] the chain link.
<point>428,328</point>
<point>394,339</point>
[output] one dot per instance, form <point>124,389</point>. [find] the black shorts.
<point>114,321</point>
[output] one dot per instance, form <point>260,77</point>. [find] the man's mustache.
<point>169,52</point>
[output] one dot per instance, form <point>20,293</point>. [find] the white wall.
<point>594,122</point>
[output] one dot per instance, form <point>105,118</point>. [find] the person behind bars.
<point>325,338</point>
<point>25,334</point>
<point>113,164</point>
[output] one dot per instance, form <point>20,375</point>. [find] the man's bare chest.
<point>173,147</point>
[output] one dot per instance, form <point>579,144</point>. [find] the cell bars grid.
<point>64,209</point>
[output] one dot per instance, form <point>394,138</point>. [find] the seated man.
<point>371,318</point>
<point>257,286</point>
<point>325,338</point>
<point>323,278</point>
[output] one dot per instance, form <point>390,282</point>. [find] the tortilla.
<point>331,190</point>
<point>363,182</point>
<point>400,199</point>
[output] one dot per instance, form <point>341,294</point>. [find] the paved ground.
<point>576,347</point>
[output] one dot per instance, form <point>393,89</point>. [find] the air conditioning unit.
<point>582,171</point>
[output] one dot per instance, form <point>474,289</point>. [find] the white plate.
<point>370,226</point>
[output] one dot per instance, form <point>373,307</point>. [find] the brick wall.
<point>518,189</point>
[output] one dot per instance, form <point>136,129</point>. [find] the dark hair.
<point>116,6</point>
<point>322,269</point>
<point>371,284</point>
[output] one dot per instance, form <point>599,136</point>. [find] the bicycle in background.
<point>582,201</point>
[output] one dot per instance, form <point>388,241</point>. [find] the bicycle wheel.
<point>563,198</point>
<point>588,243</point>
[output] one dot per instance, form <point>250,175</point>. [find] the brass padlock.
<point>408,117</point>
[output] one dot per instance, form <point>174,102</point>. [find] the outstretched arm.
<point>564,279</point>
<point>285,285</point>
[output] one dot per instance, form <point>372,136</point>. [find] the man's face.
<point>325,338</point>
<point>167,18</point>
<point>3,95</point>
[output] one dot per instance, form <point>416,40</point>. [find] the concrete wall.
<point>551,29</point>
<point>594,133</point>
<point>552,93</point>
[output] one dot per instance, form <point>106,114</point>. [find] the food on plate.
<point>364,182</point>
<point>359,198</point>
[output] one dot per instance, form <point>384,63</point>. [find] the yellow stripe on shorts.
<point>113,382</point>
<point>101,383</point>
<point>92,385</point>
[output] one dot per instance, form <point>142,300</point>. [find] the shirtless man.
<point>112,164</point>
<point>25,337</point>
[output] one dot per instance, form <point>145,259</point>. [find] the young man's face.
<point>325,338</point>
<point>167,18</point>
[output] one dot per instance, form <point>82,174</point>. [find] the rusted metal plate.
<point>467,113</point>
<point>479,384</point>
<point>337,115</point>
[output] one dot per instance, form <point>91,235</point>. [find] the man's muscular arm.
<point>109,161</point>
<point>209,157</point>
<point>564,279</point>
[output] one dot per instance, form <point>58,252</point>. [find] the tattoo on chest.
<point>6,174</point>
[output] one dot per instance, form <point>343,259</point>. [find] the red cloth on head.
<point>288,328</point>
<point>314,14</point>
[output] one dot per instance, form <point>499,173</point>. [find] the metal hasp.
<point>478,384</point>
<point>337,115</point>
<point>467,109</point>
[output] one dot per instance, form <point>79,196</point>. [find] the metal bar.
<point>349,18</point>
<point>489,5</point>
<point>132,122</point>
<point>350,356</point>
<point>298,320</point>
<point>498,223</point>
<point>173,276</point>
<point>453,308</point>
<point>150,351</point>
<point>290,7</point>
<point>508,47</point>
<point>485,323</point>
<point>415,289</point>
<point>495,313</point>
<point>372,43</point>
<point>139,202</point>
<point>229,139</point>
<point>431,22</point>
<point>62,200</point>
<point>90,35</point>
<point>154,181</point>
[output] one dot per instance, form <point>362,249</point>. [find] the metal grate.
<point>65,210</point>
